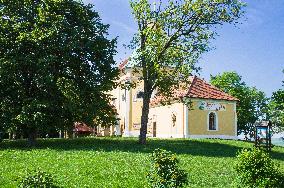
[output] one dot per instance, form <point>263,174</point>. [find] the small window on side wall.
<point>123,98</point>
<point>139,95</point>
<point>212,121</point>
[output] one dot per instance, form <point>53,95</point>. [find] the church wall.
<point>198,119</point>
<point>169,121</point>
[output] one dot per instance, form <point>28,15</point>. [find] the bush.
<point>164,172</point>
<point>38,179</point>
<point>255,168</point>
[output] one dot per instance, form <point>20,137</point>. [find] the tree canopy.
<point>252,103</point>
<point>171,37</point>
<point>56,65</point>
<point>276,109</point>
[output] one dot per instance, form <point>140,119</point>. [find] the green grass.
<point>121,162</point>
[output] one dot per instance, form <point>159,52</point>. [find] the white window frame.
<point>216,121</point>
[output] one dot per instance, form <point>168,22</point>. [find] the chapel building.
<point>212,113</point>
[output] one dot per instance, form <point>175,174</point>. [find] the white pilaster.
<point>186,132</point>
<point>127,111</point>
<point>117,128</point>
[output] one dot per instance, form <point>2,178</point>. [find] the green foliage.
<point>175,35</point>
<point>38,179</point>
<point>255,168</point>
<point>56,65</point>
<point>252,103</point>
<point>164,171</point>
<point>171,39</point>
<point>276,109</point>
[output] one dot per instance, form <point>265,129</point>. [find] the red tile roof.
<point>82,127</point>
<point>199,89</point>
<point>123,64</point>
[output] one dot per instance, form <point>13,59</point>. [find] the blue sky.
<point>254,49</point>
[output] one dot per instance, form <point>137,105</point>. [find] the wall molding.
<point>170,136</point>
<point>226,137</point>
<point>131,134</point>
<point>213,100</point>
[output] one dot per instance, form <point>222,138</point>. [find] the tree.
<point>170,40</point>
<point>276,109</point>
<point>56,65</point>
<point>252,103</point>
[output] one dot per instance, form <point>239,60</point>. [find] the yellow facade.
<point>169,120</point>
<point>226,120</point>
<point>128,106</point>
<point>136,109</point>
<point>175,120</point>
<point>193,123</point>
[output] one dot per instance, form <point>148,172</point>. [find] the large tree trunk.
<point>147,92</point>
<point>144,117</point>
<point>32,135</point>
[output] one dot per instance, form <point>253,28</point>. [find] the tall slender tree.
<point>170,39</point>
<point>56,65</point>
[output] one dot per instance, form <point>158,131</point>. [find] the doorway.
<point>154,129</point>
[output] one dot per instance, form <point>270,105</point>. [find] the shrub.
<point>164,172</point>
<point>255,168</point>
<point>38,179</point>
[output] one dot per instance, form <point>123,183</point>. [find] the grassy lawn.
<point>120,162</point>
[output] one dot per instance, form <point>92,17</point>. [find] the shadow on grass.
<point>203,147</point>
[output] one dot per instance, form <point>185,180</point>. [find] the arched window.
<point>212,121</point>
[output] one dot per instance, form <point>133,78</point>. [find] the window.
<point>174,119</point>
<point>123,97</point>
<point>212,121</point>
<point>139,95</point>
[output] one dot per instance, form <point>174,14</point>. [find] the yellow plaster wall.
<point>128,112</point>
<point>198,125</point>
<point>162,115</point>
<point>135,107</point>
